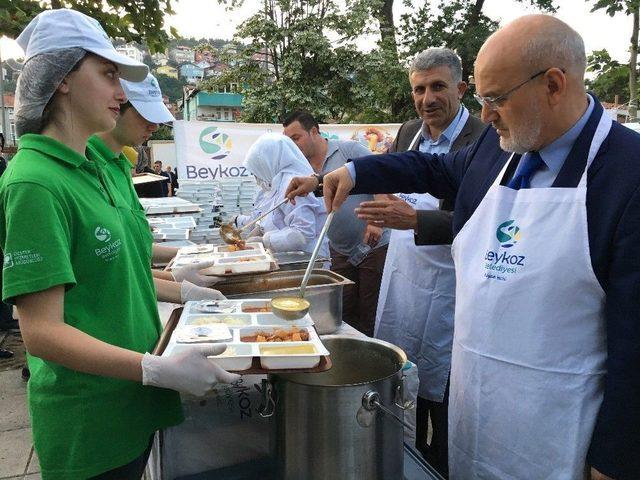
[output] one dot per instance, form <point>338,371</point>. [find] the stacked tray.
<point>226,261</point>
<point>241,325</point>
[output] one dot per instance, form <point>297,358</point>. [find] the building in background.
<point>208,55</point>
<point>191,73</point>
<point>132,51</point>
<point>167,70</point>
<point>160,59</point>
<point>11,70</point>
<point>9,121</point>
<point>181,54</point>
<point>221,106</point>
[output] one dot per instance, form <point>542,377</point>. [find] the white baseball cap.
<point>146,98</point>
<point>65,28</point>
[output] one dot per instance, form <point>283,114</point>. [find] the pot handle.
<point>401,400</point>
<point>268,406</point>
<point>371,401</point>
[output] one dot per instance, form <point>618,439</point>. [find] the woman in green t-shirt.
<point>77,266</point>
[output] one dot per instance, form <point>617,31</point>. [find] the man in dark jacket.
<point>544,378</point>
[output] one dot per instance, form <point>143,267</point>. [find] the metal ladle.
<point>294,308</point>
<point>231,235</point>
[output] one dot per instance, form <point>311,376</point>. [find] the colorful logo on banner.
<point>216,143</point>
<point>508,234</point>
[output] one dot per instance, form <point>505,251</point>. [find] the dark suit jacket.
<point>613,218</point>
<point>435,227</point>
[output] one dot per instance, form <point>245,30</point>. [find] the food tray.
<point>228,265</point>
<point>255,248</point>
<point>254,260</point>
<point>245,356</point>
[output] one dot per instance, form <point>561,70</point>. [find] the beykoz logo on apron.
<point>500,264</point>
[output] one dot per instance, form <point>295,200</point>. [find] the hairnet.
<point>40,77</point>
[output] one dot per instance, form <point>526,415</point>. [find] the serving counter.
<point>225,437</point>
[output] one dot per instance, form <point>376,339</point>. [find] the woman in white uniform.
<point>274,160</point>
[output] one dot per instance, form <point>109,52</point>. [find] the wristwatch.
<point>318,191</point>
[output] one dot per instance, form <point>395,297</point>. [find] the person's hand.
<point>391,213</point>
<point>372,235</point>
<point>336,188</point>
<point>191,273</point>
<point>188,371</point>
<point>596,475</point>
<point>300,187</point>
<point>194,293</point>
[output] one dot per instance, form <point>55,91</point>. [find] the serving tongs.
<point>294,308</point>
<point>231,235</point>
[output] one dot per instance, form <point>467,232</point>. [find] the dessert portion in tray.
<point>254,336</point>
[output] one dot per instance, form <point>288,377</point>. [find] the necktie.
<point>531,163</point>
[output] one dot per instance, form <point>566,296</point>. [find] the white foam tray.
<point>239,355</point>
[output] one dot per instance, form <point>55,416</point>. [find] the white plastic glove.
<point>189,371</point>
<point>254,240</point>
<point>191,273</point>
<point>191,292</point>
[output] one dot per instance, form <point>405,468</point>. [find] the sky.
<point>205,18</point>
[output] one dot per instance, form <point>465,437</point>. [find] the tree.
<point>171,87</point>
<point>611,79</point>
<point>289,61</point>
<point>132,20</point>
<point>164,132</point>
<point>629,7</point>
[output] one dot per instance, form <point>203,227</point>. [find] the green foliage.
<point>163,133</point>
<point>130,20</point>
<point>611,79</point>
<point>313,63</point>
<point>611,7</point>
<point>171,87</point>
<point>297,66</point>
<point>9,87</point>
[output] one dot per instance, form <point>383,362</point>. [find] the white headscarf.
<point>274,159</point>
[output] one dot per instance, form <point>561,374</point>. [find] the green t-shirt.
<point>61,223</point>
<point>117,170</point>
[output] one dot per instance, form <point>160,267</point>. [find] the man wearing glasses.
<point>544,372</point>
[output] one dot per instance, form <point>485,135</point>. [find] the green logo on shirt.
<point>8,260</point>
<point>102,234</point>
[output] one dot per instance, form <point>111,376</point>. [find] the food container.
<point>297,260</point>
<point>245,353</point>
<point>346,422</point>
<point>227,263</point>
<point>324,292</point>
<point>207,333</point>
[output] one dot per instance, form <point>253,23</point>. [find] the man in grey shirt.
<point>358,250</point>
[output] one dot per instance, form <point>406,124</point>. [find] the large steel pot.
<point>345,423</point>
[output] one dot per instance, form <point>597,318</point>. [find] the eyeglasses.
<point>495,102</point>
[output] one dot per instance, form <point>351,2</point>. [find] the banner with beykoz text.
<point>216,150</point>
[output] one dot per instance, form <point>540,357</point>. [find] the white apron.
<point>529,348</point>
<point>416,300</point>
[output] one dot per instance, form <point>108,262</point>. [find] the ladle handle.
<point>263,215</point>
<point>314,255</point>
